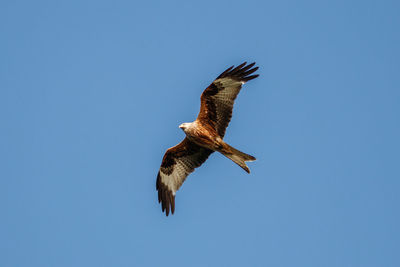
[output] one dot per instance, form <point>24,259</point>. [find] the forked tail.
<point>237,156</point>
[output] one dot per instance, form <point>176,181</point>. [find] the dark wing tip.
<point>165,197</point>
<point>246,79</point>
<point>225,72</point>
<point>241,72</point>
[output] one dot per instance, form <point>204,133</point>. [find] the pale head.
<point>184,126</point>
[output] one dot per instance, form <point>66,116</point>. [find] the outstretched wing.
<point>217,100</point>
<point>178,162</point>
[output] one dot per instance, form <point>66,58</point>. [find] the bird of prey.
<point>204,135</point>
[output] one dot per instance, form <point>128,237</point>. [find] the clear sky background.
<point>91,96</point>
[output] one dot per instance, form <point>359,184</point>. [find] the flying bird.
<point>204,135</point>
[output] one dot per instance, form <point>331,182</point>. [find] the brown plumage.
<point>204,135</point>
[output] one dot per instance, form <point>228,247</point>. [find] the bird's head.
<point>184,126</point>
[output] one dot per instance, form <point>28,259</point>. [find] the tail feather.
<point>237,156</point>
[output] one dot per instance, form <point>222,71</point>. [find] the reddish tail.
<point>237,156</point>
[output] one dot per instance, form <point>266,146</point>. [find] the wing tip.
<point>241,72</point>
<point>248,78</point>
<point>165,196</point>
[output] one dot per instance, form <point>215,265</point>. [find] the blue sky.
<point>91,96</point>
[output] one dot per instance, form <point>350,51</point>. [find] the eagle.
<point>204,135</point>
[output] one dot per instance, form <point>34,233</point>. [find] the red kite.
<point>204,135</point>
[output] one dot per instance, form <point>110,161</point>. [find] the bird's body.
<point>204,135</point>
